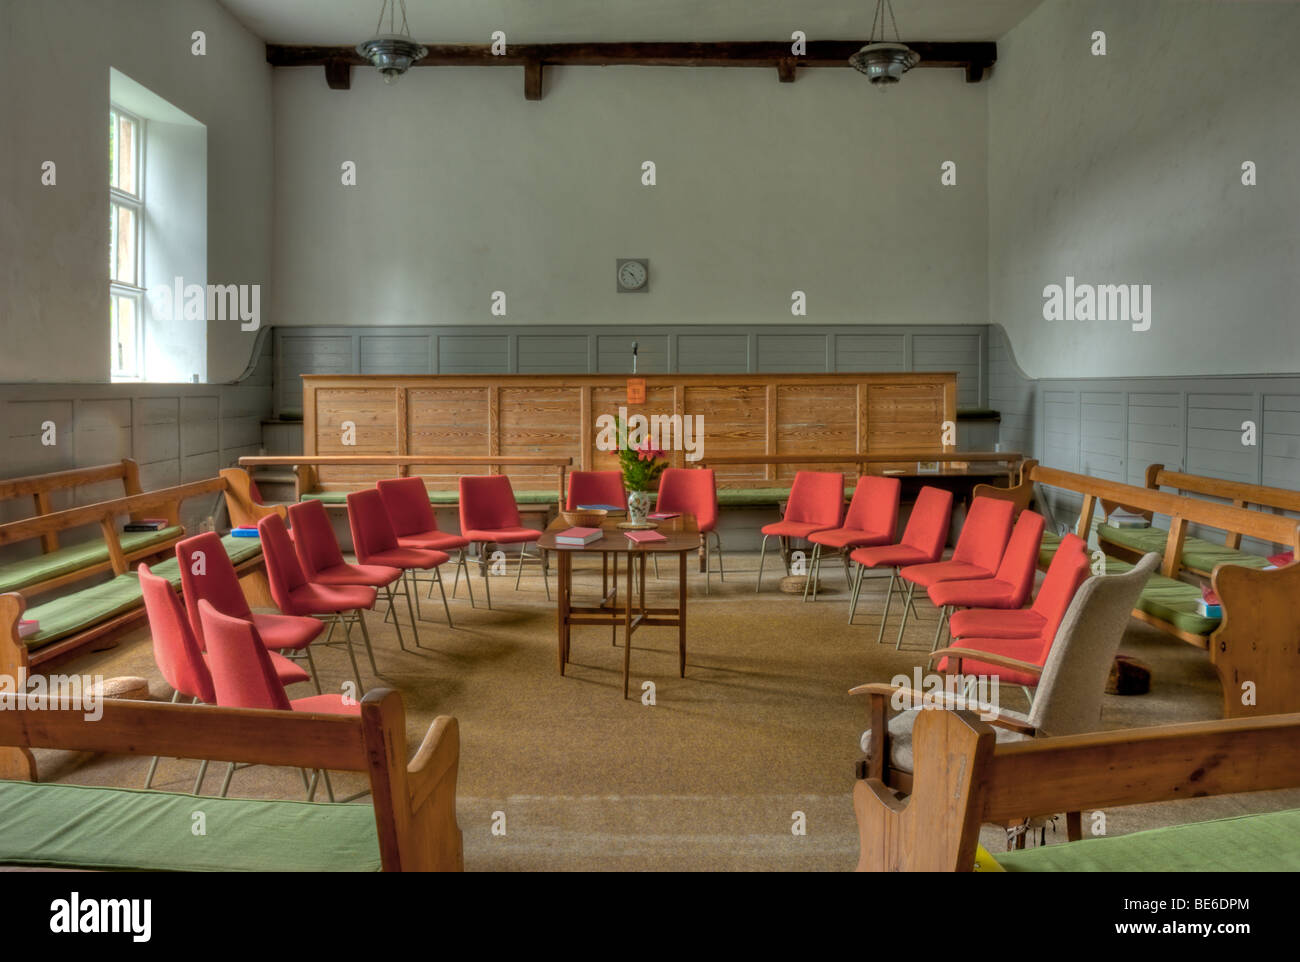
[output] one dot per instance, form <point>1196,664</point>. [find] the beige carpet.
<point>709,777</point>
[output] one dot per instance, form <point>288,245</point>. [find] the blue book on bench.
<point>243,532</point>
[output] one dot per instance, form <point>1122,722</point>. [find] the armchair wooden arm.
<point>956,655</point>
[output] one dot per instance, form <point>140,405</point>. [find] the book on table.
<point>579,536</point>
<point>1119,518</point>
<point>648,536</point>
<point>663,515</point>
<point>601,507</point>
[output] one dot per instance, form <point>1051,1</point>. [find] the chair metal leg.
<point>762,553</point>
<point>329,788</point>
<point>392,609</point>
<point>410,609</point>
<point>437,574</point>
<point>722,575</point>
<point>365,636</point>
<point>225,785</point>
<point>810,576</point>
<point>352,656</point>
<point>889,597</point>
<point>857,589</point>
<point>203,772</point>
<point>656,566</point>
<point>153,765</point>
<point>311,664</point>
<point>483,569</point>
<point>938,629</point>
<point>911,589</point>
<point>462,564</point>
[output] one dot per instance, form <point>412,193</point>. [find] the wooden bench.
<point>964,779</point>
<point>103,609</point>
<point>409,826</point>
<point>1199,555</point>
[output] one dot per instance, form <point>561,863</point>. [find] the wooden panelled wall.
<point>557,415</point>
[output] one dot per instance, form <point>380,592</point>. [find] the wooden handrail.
<point>1237,491</point>
<point>61,480</point>
<point>851,458</point>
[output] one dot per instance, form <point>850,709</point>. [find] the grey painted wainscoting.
<point>592,349</point>
<point>1114,427</point>
<point>176,432</point>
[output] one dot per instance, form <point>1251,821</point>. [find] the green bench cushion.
<point>83,609</point>
<point>1198,553</point>
<point>1047,548</point>
<point>1247,843</point>
<point>74,557</point>
<point>72,826</point>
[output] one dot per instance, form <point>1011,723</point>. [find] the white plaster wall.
<point>1127,168</point>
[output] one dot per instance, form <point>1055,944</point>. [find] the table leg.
<point>562,608</point>
<point>627,625</point>
<point>613,618</point>
<point>681,616</point>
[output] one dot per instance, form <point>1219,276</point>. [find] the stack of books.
<point>1208,605</point>
<point>644,537</point>
<point>1280,560</point>
<point>28,627</point>
<point>146,524</point>
<point>1120,518</point>
<point>577,537</point>
<point>244,531</point>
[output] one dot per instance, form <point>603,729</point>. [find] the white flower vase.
<point>638,506</point>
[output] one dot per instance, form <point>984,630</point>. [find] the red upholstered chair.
<point>816,503</point>
<point>207,574</point>
<point>1068,570</point>
<point>322,558</point>
<point>489,515</point>
<point>375,543</point>
<point>1011,583</point>
<point>693,491</point>
<point>871,520</point>
<point>175,651</point>
<point>242,677</point>
<point>923,540</point>
<point>978,553</point>
<point>416,526</point>
<point>294,594</point>
<point>595,488</point>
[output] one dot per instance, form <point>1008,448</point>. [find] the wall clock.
<point>633,274</point>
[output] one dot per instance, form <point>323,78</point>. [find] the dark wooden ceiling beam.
<point>974,57</point>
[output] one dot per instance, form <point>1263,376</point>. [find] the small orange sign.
<point>636,390</point>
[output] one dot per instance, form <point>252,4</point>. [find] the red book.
<point>578,536</point>
<point>1208,593</point>
<point>663,515</point>
<point>1281,560</point>
<point>644,537</point>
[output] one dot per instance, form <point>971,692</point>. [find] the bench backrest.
<point>40,487</point>
<point>415,802</point>
<point>963,778</point>
<point>1239,493</point>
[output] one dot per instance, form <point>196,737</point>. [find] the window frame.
<point>134,289</point>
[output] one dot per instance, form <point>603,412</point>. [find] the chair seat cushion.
<point>432,541</point>
<point>374,575</point>
<point>1022,649</point>
<point>328,599</point>
<point>400,558</point>
<point>794,529</point>
<point>293,632</point>
<point>74,557</point>
<point>850,538</point>
<point>889,554</point>
<point>929,574</point>
<point>503,535</point>
<point>900,737</point>
<point>72,826</point>
<point>288,671</point>
<point>976,593</point>
<point>992,623</point>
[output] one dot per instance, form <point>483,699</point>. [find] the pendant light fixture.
<point>394,52</point>
<point>882,61</point>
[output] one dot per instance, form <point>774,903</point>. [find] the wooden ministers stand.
<point>520,415</point>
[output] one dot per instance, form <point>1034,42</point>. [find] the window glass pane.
<point>112,241</point>
<point>126,172</point>
<point>112,148</point>
<point>124,250</point>
<point>125,320</point>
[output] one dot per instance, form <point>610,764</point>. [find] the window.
<point>125,263</point>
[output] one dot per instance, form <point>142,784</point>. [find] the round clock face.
<point>632,274</point>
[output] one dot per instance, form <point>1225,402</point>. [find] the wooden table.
<point>682,537</point>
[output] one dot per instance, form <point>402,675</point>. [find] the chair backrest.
<point>175,649</point>
<point>816,497</point>
<point>283,572</point>
<point>313,538</point>
<point>692,491</point>
<point>983,538</point>
<point>1020,560</point>
<point>372,532</point>
<point>595,487</point>
<point>207,574</point>
<point>241,667</point>
<point>1067,571</point>
<point>1068,699</point>
<point>875,505</point>
<point>927,527</point>
<point>487,501</point>
<point>407,502</point>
